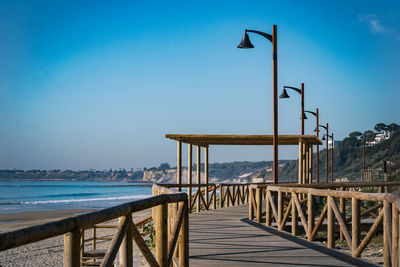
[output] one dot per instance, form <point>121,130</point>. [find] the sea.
<point>21,196</point>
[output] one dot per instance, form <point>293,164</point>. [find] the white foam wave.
<point>84,200</point>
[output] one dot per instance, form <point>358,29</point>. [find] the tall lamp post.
<point>327,138</point>
<point>316,114</point>
<point>245,43</point>
<point>327,154</point>
<point>301,92</point>
<point>364,160</point>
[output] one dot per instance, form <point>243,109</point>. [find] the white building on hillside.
<point>380,137</point>
<point>335,143</point>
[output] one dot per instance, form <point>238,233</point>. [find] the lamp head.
<point>284,94</point>
<point>323,138</point>
<point>245,43</point>
<point>305,117</point>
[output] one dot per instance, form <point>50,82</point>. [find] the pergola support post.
<point>190,182</point>
<point>198,172</point>
<point>206,173</point>
<point>179,165</point>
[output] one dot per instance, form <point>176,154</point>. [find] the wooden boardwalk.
<point>226,237</point>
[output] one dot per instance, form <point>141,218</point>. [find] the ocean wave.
<point>82,200</point>
<point>9,203</point>
<point>70,195</point>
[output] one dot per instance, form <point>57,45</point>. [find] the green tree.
<point>369,135</point>
<point>392,127</point>
<point>380,127</point>
<point>355,134</point>
<point>164,166</point>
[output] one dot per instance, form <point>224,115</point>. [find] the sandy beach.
<point>49,252</point>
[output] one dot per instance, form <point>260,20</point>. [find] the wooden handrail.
<point>333,185</point>
<point>388,203</point>
<point>43,231</point>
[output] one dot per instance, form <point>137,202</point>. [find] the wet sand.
<point>49,252</point>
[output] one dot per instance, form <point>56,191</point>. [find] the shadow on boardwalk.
<point>226,237</point>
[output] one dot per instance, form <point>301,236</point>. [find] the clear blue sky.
<point>97,84</point>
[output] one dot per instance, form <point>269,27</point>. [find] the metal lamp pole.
<point>316,114</point>
<point>332,147</point>
<point>364,161</point>
<point>327,154</point>
<point>317,147</point>
<point>245,43</point>
<point>301,92</point>
<point>327,138</point>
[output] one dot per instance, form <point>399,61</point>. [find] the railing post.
<point>267,209</point>
<point>259,205</point>
<point>395,235</point>
<point>331,225</point>
<point>233,196</point>
<point>94,238</point>
<point>386,233</point>
<point>184,239</point>
<point>280,210</point>
<point>310,213</point>
<point>161,232</point>
<point>342,207</point>
<point>237,194</point>
<point>72,248</point>
<point>248,195</point>
<point>221,196</point>
<point>228,192</point>
<point>295,218</point>
<point>251,208</point>
<point>355,224</point>
<point>174,219</point>
<point>215,197</point>
<point>243,194</point>
<point>154,210</point>
<point>125,250</point>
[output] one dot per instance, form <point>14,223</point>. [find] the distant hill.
<point>348,157</point>
<point>347,164</point>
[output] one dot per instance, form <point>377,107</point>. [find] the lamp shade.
<point>305,117</point>
<point>323,138</point>
<point>245,43</point>
<point>284,94</point>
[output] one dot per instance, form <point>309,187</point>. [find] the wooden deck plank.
<point>225,237</point>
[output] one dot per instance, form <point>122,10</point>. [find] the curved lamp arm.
<point>320,126</point>
<point>293,88</point>
<point>311,112</point>
<point>266,35</point>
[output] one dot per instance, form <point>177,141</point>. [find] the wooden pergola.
<point>305,143</point>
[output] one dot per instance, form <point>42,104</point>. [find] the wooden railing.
<point>307,209</point>
<point>91,257</point>
<point>207,196</point>
<point>166,242</point>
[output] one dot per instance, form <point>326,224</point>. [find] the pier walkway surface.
<point>226,237</point>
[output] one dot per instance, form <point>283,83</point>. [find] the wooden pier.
<point>221,229</point>
<point>226,237</point>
